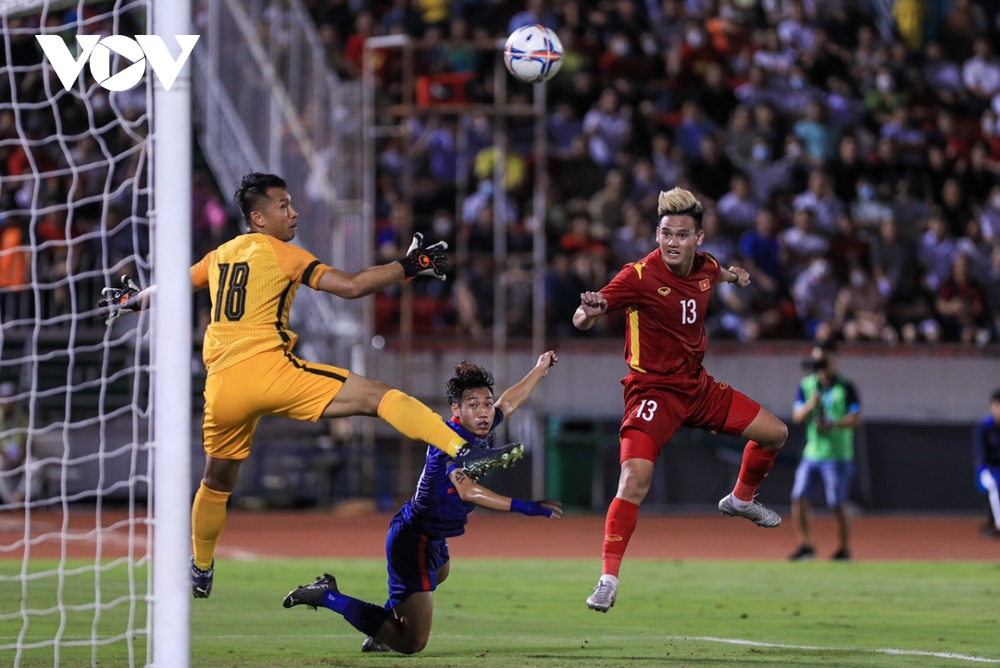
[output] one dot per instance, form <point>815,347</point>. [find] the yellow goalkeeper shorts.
<point>270,383</point>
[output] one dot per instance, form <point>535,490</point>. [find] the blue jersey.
<point>436,508</point>
<point>987,443</point>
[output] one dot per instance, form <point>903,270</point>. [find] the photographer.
<point>831,409</point>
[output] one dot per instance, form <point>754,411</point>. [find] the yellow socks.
<point>208,517</point>
<point>415,420</point>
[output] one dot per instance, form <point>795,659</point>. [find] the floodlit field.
<point>532,613</point>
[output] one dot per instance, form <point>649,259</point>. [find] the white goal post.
<point>95,421</point>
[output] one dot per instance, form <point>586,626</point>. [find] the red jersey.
<point>665,323</point>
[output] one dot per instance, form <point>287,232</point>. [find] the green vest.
<point>836,444</point>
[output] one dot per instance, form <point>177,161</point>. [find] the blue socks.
<point>365,617</point>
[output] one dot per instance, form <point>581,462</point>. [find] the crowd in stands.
<point>73,175</point>
<point>849,160</point>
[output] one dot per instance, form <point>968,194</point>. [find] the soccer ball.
<point>533,54</point>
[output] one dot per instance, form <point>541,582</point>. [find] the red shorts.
<point>658,405</point>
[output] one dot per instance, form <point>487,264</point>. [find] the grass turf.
<point>532,613</point>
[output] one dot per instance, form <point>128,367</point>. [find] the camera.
<point>813,364</point>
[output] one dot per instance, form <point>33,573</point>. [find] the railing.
<point>265,100</point>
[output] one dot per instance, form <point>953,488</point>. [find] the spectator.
<point>712,171</point>
<point>884,99</point>
<point>942,75</point>
<point>766,174</point>
<point>961,305</point>
<point>861,310</point>
<point>815,294</point>
<point>534,13</point>
<point>801,244</point>
<point>867,210</point>
<point>830,406</point>
<point>937,252</point>
<point>691,130</point>
<point>895,269</point>
<point>634,238</point>
<point>955,207</point>
<point>761,251</point>
<point>607,128</point>
<point>563,287</point>
<point>739,136</point>
<point>714,242</point>
<point>821,202</point>
<point>981,75</point>
<point>580,175</point>
<point>715,96</point>
<point>737,208</point>
<point>667,160</point>
<point>848,247</point>
<point>846,168</point>
<point>605,206</point>
<point>815,133</point>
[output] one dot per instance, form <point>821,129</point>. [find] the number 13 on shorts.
<point>647,409</point>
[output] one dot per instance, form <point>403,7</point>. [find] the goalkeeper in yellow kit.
<point>251,368</point>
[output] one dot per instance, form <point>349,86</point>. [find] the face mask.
<point>619,47</point>
<point>867,192</point>
<point>649,46</point>
<point>989,126</point>
<point>883,82</point>
<point>695,39</point>
<point>760,153</point>
<point>857,279</point>
<point>796,83</point>
<point>793,151</point>
<point>820,267</point>
<point>995,202</point>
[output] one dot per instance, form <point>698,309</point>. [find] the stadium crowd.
<point>849,160</point>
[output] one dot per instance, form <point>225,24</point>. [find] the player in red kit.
<point>665,296</point>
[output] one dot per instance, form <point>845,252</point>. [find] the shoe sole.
<point>600,608</point>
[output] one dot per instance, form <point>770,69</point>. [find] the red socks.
<point>618,528</point>
<point>756,464</point>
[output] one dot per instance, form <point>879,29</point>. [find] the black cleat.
<point>803,553</point>
<point>477,461</point>
<point>201,581</point>
<point>311,594</point>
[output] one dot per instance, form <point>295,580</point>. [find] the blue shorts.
<point>412,559</point>
<point>836,477</point>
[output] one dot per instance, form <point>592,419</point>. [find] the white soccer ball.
<point>533,53</point>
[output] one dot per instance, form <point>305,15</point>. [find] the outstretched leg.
<point>411,418</point>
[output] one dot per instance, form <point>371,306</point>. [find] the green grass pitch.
<point>532,613</point>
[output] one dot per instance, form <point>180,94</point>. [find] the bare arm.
<point>471,491</point>
<point>592,307</point>
<point>362,283</point>
<point>737,275</point>
<point>516,395</point>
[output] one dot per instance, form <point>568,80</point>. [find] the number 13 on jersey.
<point>689,311</point>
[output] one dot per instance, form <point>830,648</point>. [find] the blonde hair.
<point>679,202</point>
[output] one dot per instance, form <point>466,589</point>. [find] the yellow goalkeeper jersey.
<point>253,280</point>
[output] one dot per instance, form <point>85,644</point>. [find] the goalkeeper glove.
<point>425,261</point>
<point>119,301</point>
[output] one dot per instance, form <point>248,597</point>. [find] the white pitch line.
<point>811,648</point>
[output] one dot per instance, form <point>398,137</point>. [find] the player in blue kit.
<point>417,546</point>
<point>986,443</point>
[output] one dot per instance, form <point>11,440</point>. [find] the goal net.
<point>83,515</point>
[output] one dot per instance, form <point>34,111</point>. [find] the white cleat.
<point>603,598</point>
<point>756,513</point>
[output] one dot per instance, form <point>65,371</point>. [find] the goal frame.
<point>172,339</point>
